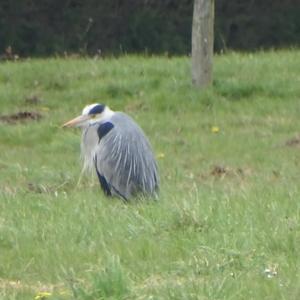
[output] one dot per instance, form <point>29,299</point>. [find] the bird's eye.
<point>93,116</point>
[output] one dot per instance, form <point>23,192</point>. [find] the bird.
<point>115,146</point>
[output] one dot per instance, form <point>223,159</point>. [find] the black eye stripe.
<point>98,109</point>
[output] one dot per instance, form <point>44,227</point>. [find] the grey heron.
<point>116,147</point>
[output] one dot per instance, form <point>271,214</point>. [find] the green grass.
<point>229,204</point>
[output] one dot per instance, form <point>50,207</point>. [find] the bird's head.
<point>91,114</point>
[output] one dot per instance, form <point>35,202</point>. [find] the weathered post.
<point>202,42</point>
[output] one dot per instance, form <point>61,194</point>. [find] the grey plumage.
<point>121,154</point>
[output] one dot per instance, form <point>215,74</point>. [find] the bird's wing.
<point>124,158</point>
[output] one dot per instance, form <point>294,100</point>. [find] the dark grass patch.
<point>238,90</point>
<point>33,100</point>
<point>117,91</point>
<point>293,142</point>
<point>21,116</point>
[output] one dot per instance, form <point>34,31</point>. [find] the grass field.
<point>227,223</point>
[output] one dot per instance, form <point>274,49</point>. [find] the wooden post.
<point>202,42</point>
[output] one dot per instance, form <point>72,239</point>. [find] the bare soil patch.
<point>21,116</point>
<point>219,171</point>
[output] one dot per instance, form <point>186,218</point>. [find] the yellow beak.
<point>76,121</point>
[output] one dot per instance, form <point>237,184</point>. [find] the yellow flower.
<point>215,129</point>
<point>42,295</point>
<point>160,155</point>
